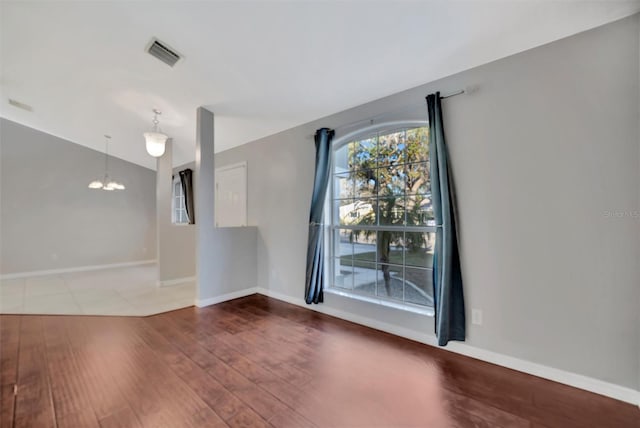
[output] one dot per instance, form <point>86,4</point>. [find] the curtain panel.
<point>447,275</point>
<point>314,282</point>
<point>186,180</point>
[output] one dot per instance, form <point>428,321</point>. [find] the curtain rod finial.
<point>471,89</point>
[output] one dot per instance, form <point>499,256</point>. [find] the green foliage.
<point>401,158</point>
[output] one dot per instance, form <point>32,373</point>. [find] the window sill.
<point>407,307</point>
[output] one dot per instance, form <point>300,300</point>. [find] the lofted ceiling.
<point>261,67</point>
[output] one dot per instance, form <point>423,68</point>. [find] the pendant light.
<point>155,140</point>
<point>106,183</point>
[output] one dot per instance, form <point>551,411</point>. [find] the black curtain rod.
<point>460,92</point>
<point>372,119</point>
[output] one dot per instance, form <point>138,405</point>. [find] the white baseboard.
<point>561,376</point>
<point>201,303</point>
<point>176,281</point>
<point>74,269</point>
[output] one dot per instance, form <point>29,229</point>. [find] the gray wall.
<point>226,258</point>
<point>545,156</point>
<point>164,244</point>
<point>176,242</point>
<point>51,220</point>
<point>183,241</point>
<point>638,229</point>
<point>233,262</point>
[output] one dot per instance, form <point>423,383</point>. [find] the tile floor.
<point>123,291</point>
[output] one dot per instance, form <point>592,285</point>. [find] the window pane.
<point>418,180</point>
<point>390,282</point>
<point>364,154</point>
<point>364,278</point>
<point>364,245</point>
<point>391,180</point>
<point>390,246</point>
<point>420,210</point>
<point>365,182</point>
<point>417,144</point>
<point>343,273</point>
<point>344,211</point>
<point>391,211</point>
<point>391,148</point>
<point>342,244</point>
<point>343,186</point>
<point>419,249</point>
<point>342,158</point>
<point>418,286</point>
<point>358,212</point>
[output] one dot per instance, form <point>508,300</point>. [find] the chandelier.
<point>107,183</point>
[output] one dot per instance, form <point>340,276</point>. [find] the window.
<point>178,208</point>
<point>382,230</point>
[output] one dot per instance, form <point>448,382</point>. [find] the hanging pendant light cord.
<point>156,122</point>
<point>106,158</point>
<point>107,183</point>
<point>106,161</point>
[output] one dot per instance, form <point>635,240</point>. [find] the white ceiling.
<point>261,67</point>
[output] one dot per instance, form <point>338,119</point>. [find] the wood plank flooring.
<point>259,362</point>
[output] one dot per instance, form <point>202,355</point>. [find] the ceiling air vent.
<point>163,52</point>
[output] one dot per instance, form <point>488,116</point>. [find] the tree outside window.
<point>383,203</point>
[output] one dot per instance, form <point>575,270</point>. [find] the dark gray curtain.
<point>447,276</point>
<point>186,179</point>
<point>314,282</point>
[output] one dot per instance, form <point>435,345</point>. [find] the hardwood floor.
<point>258,362</point>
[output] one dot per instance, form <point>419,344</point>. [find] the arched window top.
<point>373,129</point>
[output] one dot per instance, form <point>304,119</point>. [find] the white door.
<point>231,195</point>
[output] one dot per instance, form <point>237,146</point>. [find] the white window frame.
<point>333,223</point>
<point>179,215</point>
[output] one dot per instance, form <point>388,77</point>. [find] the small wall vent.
<point>163,52</point>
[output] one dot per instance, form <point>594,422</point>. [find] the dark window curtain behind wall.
<point>314,282</point>
<point>187,188</point>
<point>447,276</point>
